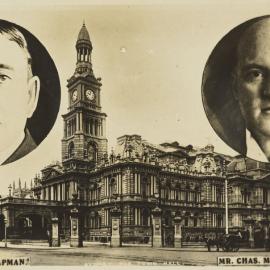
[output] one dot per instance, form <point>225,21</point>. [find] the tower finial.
<point>83,22</point>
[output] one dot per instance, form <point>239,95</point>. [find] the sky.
<point>150,57</point>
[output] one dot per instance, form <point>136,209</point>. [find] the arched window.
<point>186,219</point>
<point>71,150</point>
<point>87,126</point>
<point>167,194</point>
<point>187,193</point>
<point>145,215</point>
<point>91,127</point>
<point>113,188</point>
<point>144,187</point>
<point>91,152</point>
<point>96,128</point>
<point>219,220</point>
<point>195,220</point>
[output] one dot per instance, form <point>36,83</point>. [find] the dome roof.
<point>83,35</point>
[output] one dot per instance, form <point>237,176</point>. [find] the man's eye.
<point>3,77</point>
<point>254,75</point>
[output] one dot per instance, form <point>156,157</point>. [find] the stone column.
<point>75,229</point>
<point>55,241</point>
<point>177,232</point>
<point>156,223</point>
<point>115,230</point>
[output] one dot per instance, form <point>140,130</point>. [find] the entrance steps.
<point>194,244</point>
<point>28,242</point>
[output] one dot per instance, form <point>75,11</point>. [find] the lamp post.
<point>5,222</point>
<point>226,198</point>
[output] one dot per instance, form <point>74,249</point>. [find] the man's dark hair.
<point>14,34</point>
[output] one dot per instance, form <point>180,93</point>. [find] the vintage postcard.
<point>134,133</point>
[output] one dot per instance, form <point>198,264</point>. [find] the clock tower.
<point>84,142</point>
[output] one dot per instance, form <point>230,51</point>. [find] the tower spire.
<point>84,141</point>
<point>84,50</point>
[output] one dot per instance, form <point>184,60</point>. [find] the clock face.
<point>89,94</point>
<point>74,95</point>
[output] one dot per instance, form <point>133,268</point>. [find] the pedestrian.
<point>208,243</point>
<point>49,237</point>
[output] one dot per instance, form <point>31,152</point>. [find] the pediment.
<point>51,173</point>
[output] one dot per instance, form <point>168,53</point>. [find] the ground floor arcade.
<point>117,224</point>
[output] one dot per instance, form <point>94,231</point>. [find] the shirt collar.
<point>253,149</point>
<point>4,155</point>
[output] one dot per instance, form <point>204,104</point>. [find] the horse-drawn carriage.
<point>228,243</point>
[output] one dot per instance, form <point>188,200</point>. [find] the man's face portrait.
<point>29,92</point>
<point>236,88</point>
<point>252,78</point>
<point>19,91</point>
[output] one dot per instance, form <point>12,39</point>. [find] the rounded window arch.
<point>71,152</point>
<point>91,152</point>
<point>113,186</point>
<point>145,216</point>
<point>144,186</point>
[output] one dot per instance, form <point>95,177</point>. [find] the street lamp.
<point>5,222</point>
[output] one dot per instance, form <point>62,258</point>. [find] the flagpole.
<point>226,206</point>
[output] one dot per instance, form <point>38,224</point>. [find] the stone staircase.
<point>194,244</point>
<point>28,242</point>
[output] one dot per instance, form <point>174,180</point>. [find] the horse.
<point>212,242</point>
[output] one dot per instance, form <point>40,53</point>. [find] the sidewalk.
<point>204,249</point>
<point>33,246</point>
<point>66,245</point>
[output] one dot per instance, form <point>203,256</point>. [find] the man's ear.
<point>33,94</point>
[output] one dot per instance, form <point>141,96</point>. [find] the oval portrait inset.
<point>236,89</point>
<point>30,92</point>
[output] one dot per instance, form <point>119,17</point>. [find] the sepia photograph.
<point>134,133</point>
